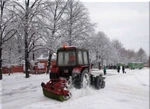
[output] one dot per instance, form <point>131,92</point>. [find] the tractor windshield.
<point>66,58</point>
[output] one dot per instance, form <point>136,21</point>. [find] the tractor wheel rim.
<point>85,80</point>
<point>69,83</point>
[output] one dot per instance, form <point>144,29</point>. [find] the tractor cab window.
<point>66,58</point>
<point>71,58</point>
<point>85,57</point>
<point>80,61</point>
<point>60,58</point>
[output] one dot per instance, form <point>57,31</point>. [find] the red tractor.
<point>72,69</point>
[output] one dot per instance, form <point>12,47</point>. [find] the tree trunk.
<point>33,56</point>
<point>99,65</point>
<point>1,76</point>
<point>70,29</point>
<point>102,61</point>
<point>49,62</point>
<point>26,50</point>
<point>26,39</point>
<point>1,35</point>
<point>26,61</point>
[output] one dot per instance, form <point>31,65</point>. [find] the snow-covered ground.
<point>122,91</point>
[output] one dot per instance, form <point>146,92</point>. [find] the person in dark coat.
<point>118,68</point>
<point>123,69</point>
<point>104,69</point>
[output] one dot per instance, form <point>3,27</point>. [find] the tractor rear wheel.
<point>83,80</point>
<point>69,83</point>
<point>103,84</point>
<point>99,82</point>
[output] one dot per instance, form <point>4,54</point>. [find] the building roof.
<point>45,56</point>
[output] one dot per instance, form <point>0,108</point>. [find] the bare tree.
<point>10,52</point>
<point>78,25</point>
<point>53,21</point>
<point>117,44</point>
<point>142,57</point>
<point>28,13</point>
<point>7,27</point>
<point>102,47</point>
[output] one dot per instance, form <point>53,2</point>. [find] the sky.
<point>126,21</point>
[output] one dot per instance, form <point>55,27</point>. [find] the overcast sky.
<point>126,21</point>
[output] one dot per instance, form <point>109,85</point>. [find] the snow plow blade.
<point>53,95</point>
<point>56,89</point>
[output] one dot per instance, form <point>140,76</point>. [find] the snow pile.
<point>122,91</point>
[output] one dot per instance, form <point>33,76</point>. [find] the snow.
<point>122,91</point>
<point>45,57</point>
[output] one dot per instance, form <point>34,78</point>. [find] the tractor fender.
<point>78,70</point>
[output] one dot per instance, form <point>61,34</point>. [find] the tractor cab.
<point>68,60</point>
<point>72,56</point>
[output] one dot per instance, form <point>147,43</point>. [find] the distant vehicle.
<point>120,64</point>
<point>134,65</point>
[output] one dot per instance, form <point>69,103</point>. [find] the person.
<point>118,68</point>
<point>123,69</point>
<point>104,69</point>
<point>71,59</point>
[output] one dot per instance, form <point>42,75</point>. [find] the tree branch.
<point>4,40</point>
